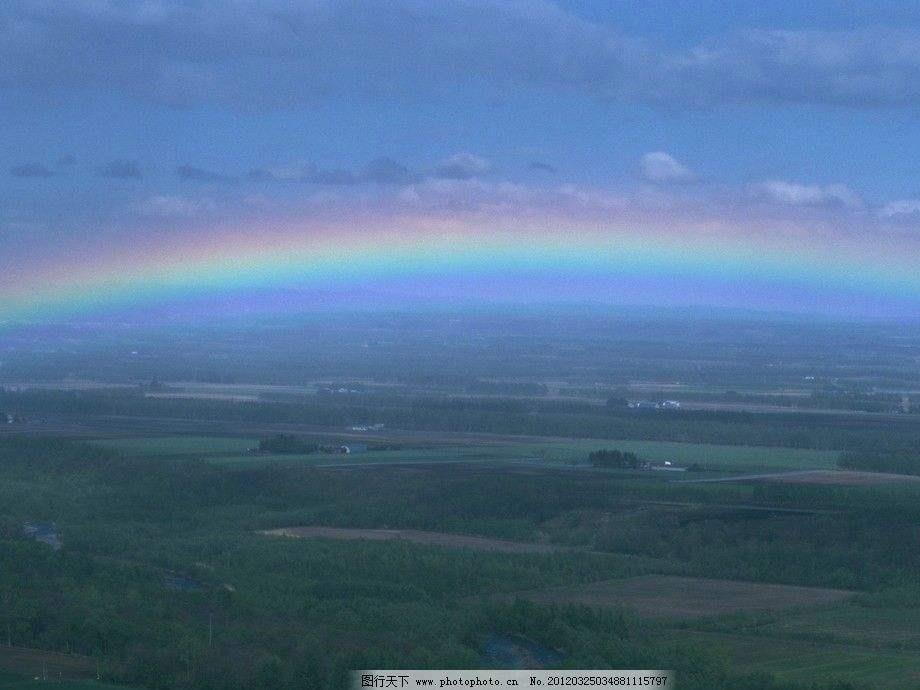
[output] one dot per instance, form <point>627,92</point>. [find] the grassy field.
<point>722,457</point>
<point>712,457</point>
<point>19,667</point>
<point>420,455</point>
<point>232,450</point>
<point>808,662</point>
<point>893,626</point>
<point>875,646</point>
<point>178,445</point>
<point>458,541</point>
<point>12,681</point>
<point>662,596</point>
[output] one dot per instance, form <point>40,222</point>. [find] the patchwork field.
<point>459,541</point>
<point>663,596</point>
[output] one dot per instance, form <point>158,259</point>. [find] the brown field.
<point>826,477</point>
<point>460,541</point>
<point>664,596</point>
<point>843,477</point>
<point>38,663</point>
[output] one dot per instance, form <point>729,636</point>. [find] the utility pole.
<point>210,629</point>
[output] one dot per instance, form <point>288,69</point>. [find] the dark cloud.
<point>121,169</point>
<point>261,175</point>
<point>384,171</point>
<point>30,170</point>
<point>194,174</point>
<point>66,161</point>
<point>278,53</point>
<point>169,206</point>
<point>387,171</point>
<point>462,166</point>
<point>304,172</point>
<point>539,165</point>
<point>332,177</point>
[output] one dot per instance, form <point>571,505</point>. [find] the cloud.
<point>387,171</point>
<point>336,176</point>
<point>66,160</point>
<point>539,165</point>
<point>450,194</point>
<point>382,171</point>
<point>30,170</point>
<point>121,169</point>
<point>792,194</point>
<point>170,206</point>
<point>261,175</point>
<point>462,166</point>
<point>662,168</point>
<point>276,53</point>
<point>856,68</point>
<point>305,172</point>
<point>902,209</point>
<point>294,172</point>
<point>194,174</point>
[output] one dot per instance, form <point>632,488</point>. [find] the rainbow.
<point>403,259</point>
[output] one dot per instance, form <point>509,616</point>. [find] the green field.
<point>892,626</point>
<point>421,455</point>
<point>139,446</point>
<point>232,450</point>
<point>806,662</point>
<point>713,457</point>
<point>15,681</point>
<point>710,455</point>
<point>878,646</point>
<point>21,683</point>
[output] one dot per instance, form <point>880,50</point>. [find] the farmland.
<point>439,538</point>
<point>197,446</point>
<point>661,596</point>
<point>234,450</point>
<point>12,681</point>
<point>768,550</point>
<point>455,541</point>
<point>36,663</point>
<point>809,662</point>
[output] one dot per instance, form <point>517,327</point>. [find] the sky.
<point>749,154</point>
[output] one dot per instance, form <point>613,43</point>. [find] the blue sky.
<point>119,116</point>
